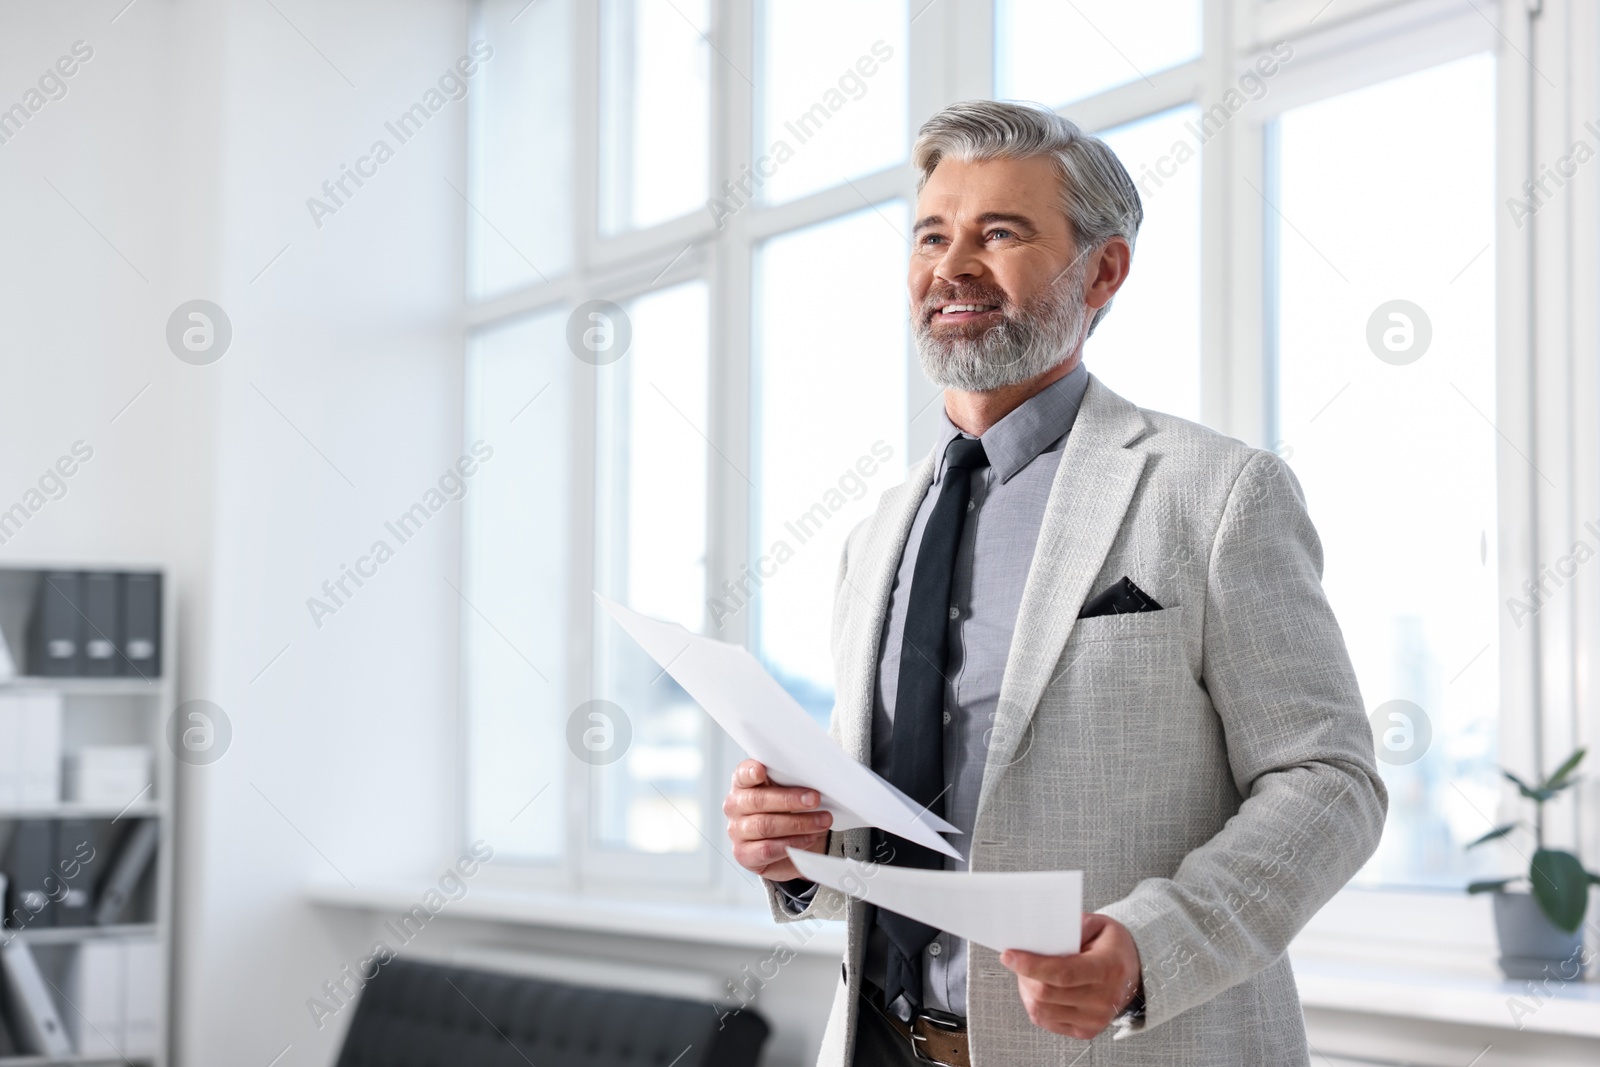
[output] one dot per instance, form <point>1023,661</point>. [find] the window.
<point>824,451</point>
<point>833,104</point>
<point>513,569</point>
<point>519,208</point>
<point>655,111</point>
<point>698,378</point>
<point>1148,348</point>
<point>650,538</point>
<point>1055,53</point>
<point>1386,410</point>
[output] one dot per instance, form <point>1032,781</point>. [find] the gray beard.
<point>1031,340</point>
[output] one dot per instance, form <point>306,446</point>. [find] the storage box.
<point>108,775</point>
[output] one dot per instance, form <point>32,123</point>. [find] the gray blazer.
<point>1209,767</point>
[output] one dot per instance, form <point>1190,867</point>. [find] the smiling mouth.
<point>958,312</point>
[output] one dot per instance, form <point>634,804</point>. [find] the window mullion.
<point>730,494</point>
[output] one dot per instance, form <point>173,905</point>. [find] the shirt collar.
<point>1028,430</point>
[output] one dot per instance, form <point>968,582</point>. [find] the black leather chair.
<point>424,1015</point>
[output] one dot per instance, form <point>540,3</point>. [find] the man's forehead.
<point>958,190</point>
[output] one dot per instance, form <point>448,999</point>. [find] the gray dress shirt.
<point>1004,515</point>
<point>1005,512</point>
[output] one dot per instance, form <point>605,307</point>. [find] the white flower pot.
<point>1531,946</point>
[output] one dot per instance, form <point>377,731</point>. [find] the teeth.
<point>949,309</point>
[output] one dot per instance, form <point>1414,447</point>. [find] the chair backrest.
<point>426,1015</point>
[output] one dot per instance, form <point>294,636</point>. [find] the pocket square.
<point>1121,598</point>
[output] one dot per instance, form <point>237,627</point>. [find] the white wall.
<point>191,141</point>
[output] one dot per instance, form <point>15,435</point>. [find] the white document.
<point>1035,911</point>
<point>769,724</point>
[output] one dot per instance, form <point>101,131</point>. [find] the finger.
<point>770,798</point>
<point>1094,925</point>
<point>1064,996</point>
<point>749,773</point>
<point>1083,1021</point>
<point>760,827</point>
<point>1065,971</point>
<point>756,855</point>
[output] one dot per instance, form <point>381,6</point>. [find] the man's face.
<point>997,293</point>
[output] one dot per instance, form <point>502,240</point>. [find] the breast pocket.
<point>1124,677</point>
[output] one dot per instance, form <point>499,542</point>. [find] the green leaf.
<point>1493,885</point>
<point>1539,795</point>
<point>1561,886</point>
<point>1558,778</point>
<point>1595,878</point>
<point>1497,832</point>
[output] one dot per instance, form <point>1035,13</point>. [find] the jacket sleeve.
<point>1299,749</point>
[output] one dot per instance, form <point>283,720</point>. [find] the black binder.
<point>141,626</point>
<point>29,863</point>
<point>134,857</point>
<point>55,640</point>
<point>75,840</point>
<point>101,623</point>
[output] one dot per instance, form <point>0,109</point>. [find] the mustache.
<point>933,301</point>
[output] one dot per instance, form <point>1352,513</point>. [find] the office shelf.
<point>103,711</point>
<point>67,935</point>
<point>107,687</point>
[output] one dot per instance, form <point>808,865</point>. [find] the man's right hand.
<point>765,819</point>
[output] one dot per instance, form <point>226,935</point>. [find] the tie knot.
<point>966,453</point>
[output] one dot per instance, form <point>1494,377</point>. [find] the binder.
<point>55,637</point>
<point>8,663</point>
<point>101,624</point>
<point>141,625</point>
<point>31,1008</point>
<point>38,743</point>
<point>8,1044</point>
<point>96,987</point>
<point>12,707</point>
<point>28,865</point>
<point>76,906</point>
<point>144,1016</point>
<point>133,858</point>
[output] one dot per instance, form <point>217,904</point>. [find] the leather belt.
<point>936,1038</point>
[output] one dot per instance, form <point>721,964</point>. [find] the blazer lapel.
<point>867,588</point>
<point>1088,499</point>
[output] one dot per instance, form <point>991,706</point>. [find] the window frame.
<point>1551,701</point>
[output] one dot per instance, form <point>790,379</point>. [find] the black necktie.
<point>916,745</point>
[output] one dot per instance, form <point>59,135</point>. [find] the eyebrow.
<point>1021,222</point>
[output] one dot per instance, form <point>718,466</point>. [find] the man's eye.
<point>1001,233</point>
<point>931,238</point>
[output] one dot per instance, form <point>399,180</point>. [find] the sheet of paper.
<point>769,724</point>
<point>1035,911</point>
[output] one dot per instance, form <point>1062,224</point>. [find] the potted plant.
<point>1540,931</point>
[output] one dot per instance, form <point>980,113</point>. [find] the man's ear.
<point>1108,269</point>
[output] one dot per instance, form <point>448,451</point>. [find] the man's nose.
<point>960,261</point>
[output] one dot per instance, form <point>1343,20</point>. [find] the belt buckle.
<point>938,1019</point>
<point>923,1057</point>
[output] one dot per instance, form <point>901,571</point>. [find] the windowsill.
<point>704,924</point>
<point>1471,997</point>
<point>1338,981</point>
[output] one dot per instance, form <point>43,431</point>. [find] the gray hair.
<point>1097,194</point>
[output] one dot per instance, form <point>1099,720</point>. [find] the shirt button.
<point>971,505</point>
<point>934,949</point>
<point>955,612</point>
<point>947,718</point>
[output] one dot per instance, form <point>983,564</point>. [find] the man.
<point>1092,637</point>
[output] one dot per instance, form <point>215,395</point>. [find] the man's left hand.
<point>1078,996</point>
